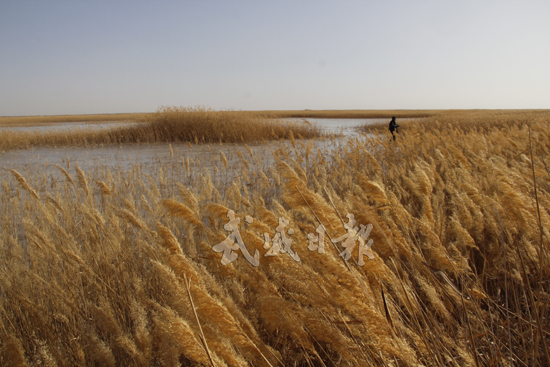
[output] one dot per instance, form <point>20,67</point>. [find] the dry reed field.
<point>45,120</point>
<point>354,114</point>
<point>169,124</point>
<point>125,268</point>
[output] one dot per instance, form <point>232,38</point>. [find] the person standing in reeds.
<point>393,127</point>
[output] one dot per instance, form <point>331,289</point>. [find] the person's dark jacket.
<point>393,126</point>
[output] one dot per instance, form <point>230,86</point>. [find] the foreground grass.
<point>117,268</point>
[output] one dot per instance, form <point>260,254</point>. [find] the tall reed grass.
<point>171,124</point>
<point>117,268</point>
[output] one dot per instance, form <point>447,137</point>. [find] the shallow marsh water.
<point>179,162</point>
<point>345,127</point>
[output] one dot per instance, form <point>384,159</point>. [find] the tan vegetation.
<point>12,121</point>
<point>117,268</point>
<point>170,124</point>
<point>353,114</point>
<point>375,114</point>
<point>46,120</point>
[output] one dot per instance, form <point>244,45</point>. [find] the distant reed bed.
<point>468,120</point>
<point>207,125</point>
<point>352,114</point>
<point>171,124</point>
<point>118,268</point>
<point>45,120</point>
<point>408,114</point>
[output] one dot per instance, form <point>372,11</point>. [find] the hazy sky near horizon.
<point>78,57</point>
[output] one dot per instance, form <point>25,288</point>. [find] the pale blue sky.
<point>76,57</point>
